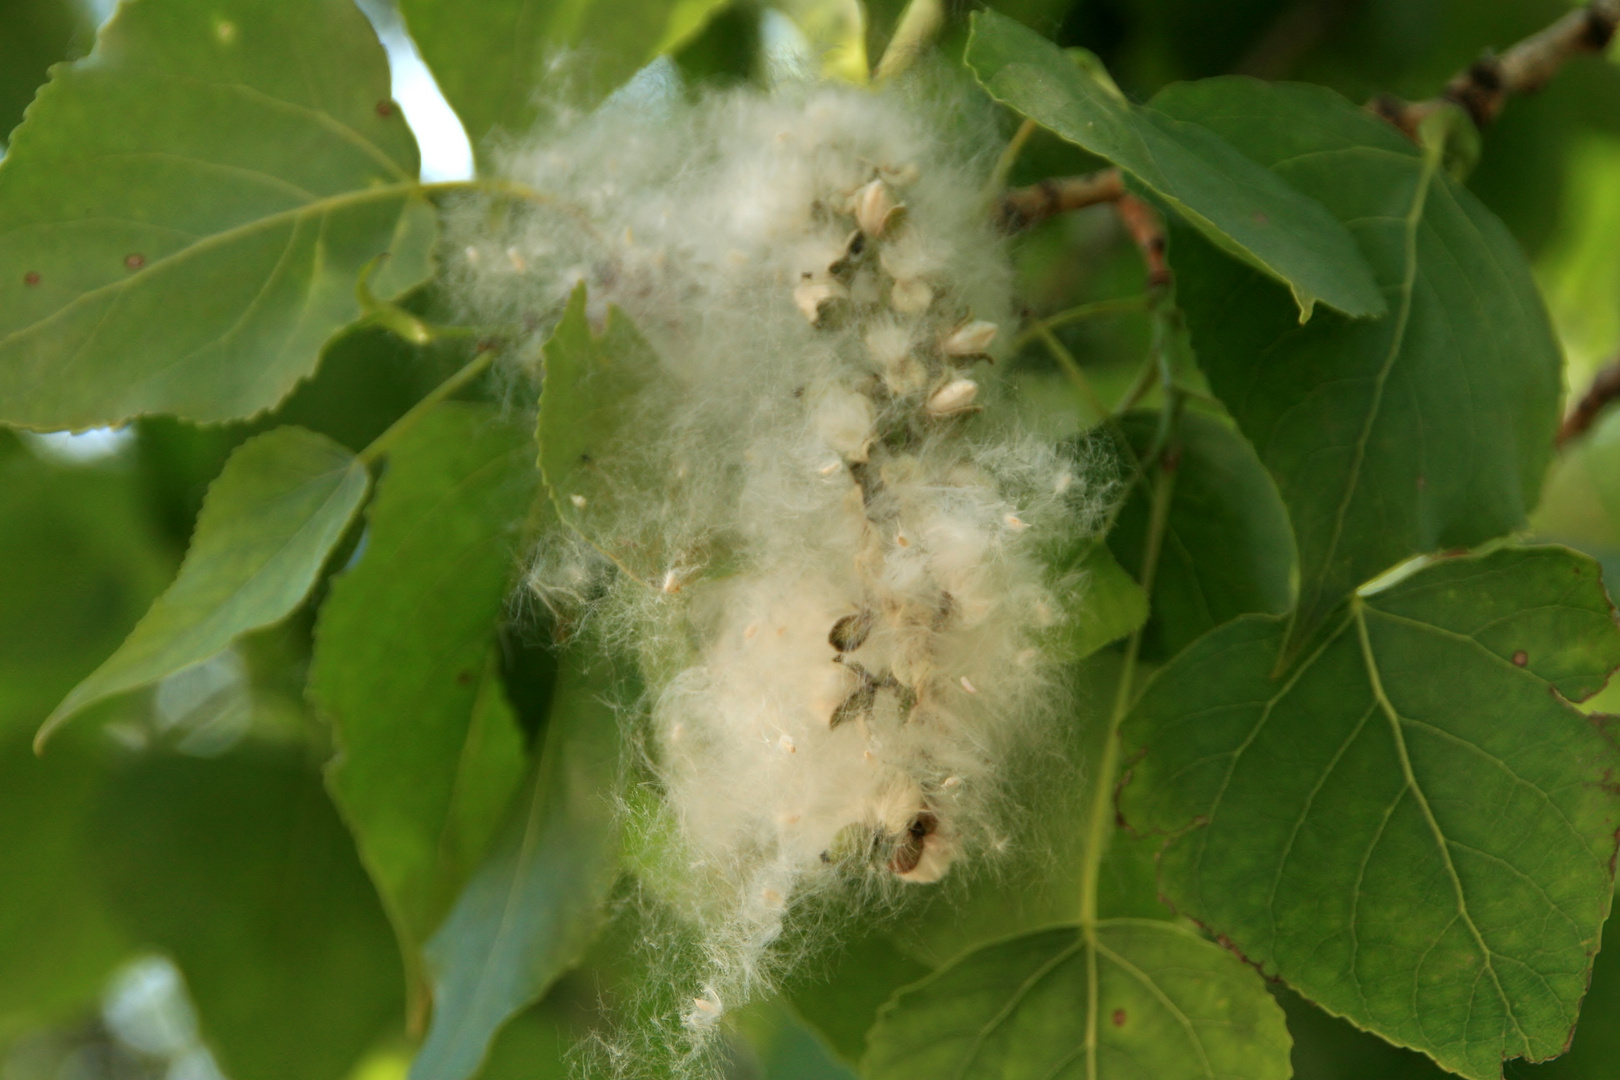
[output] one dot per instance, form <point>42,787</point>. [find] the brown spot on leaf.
<point>31,278</point>
<point>1119,1018</point>
<point>1521,658</point>
<point>134,260</point>
<point>463,678</point>
<point>385,108</point>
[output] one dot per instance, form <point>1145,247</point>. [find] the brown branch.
<point>1024,208</point>
<point>1484,86</point>
<point>1147,230</point>
<point>1604,389</point>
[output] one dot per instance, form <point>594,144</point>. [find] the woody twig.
<point>1604,389</point>
<point>1482,88</point>
<point>1025,207</point>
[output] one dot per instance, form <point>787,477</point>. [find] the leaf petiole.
<point>380,446</point>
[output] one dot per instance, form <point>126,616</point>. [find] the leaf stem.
<point>1071,368</point>
<point>383,443</point>
<point>920,23</point>
<point>1100,820</point>
<point>1009,154</point>
<point>1081,313</point>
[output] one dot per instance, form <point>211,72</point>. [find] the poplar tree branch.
<point>1482,88</point>
<point>1604,389</point>
<point>1147,230</point>
<point>1025,207</point>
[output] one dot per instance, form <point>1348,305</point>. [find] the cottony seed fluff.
<point>853,641</point>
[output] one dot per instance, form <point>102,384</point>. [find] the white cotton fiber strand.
<point>838,697</point>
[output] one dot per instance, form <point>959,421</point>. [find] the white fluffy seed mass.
<point>839,699</point>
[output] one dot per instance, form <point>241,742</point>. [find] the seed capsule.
<point>969,339</point>
<point>876,210</point>
<point>954,397</point>
<point>849,633</point>
<point>911,296</point>
<point>910,852</point>
<point>815,297</point>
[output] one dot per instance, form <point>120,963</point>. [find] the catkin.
<point>835,704</point>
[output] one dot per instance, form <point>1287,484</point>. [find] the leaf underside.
<point>537,901</point>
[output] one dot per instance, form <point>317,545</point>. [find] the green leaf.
<point>239,868</point>
<point>842,1004</point>
<point>1245,209</point>
<point>533,907</point>
<point>589,441</point>
<point>185,212</point>
<point>270,519</point>
<point>836,32</point>
<point>1228,547</point>
<point>1430,429</point>
<point>494,68</point>
<point>1161,1002</point>
<point>57,940</point>
<point>1111,604</point>
<point>82,560</point>
<point>409,632</point>
<point>1413,829</point>
<point>34,34</point>
<point>1597,1039</point>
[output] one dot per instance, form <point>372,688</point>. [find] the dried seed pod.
<point>815,298</point>
<point>969,339</point>
<point>855,250</point>
<point>849,633</point>
<point>876,210</point>
<point>910,850</point>
<point>954,397</point>
<point>911,296</point>
<point>859,703</point>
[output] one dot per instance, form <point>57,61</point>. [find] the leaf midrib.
<point>1413,221</point>
<point>208,243</point>
<point>1442,843</point>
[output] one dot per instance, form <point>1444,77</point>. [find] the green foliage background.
<point>353,793</point>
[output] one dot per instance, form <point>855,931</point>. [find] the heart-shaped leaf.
<point>1412,827</point>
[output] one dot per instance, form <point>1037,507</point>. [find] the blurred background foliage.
<point>178,897</point>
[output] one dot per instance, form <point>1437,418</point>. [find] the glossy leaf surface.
<point>1429,429</point>
<point>1246,210</point>
<point>1432,828</point>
